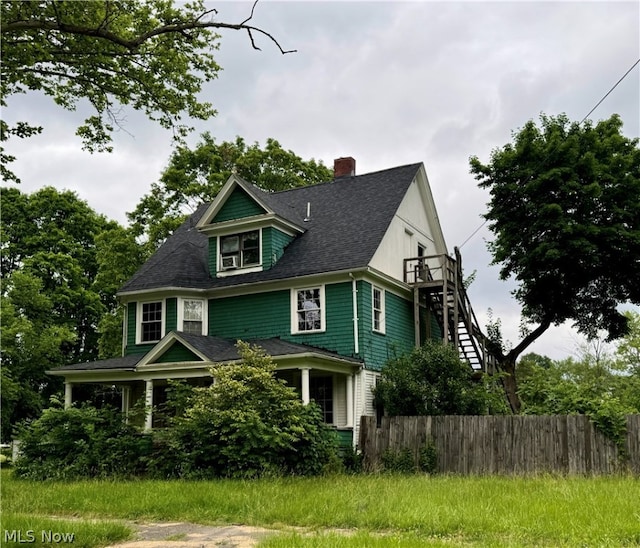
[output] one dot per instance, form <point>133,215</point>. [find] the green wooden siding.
<point>261,315</point>
<point>178,353</point>
<point>238,205</point>
<point>273,244</point>
<point>265,315</point>
<point>171,315</point>
<point>377,348</point>
<point>345,438</point>
<point>132,309</point>
<point>338,334</point>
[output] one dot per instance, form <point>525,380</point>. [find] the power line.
<point>587,116</point>
<point>608,92</point>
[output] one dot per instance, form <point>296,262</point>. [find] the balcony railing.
<point>429,268</point>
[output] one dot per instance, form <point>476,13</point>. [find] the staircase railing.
<point>440,278</point>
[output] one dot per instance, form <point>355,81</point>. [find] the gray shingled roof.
<point>125,362</point>
<point>216,349</point>
<point>349,217</point>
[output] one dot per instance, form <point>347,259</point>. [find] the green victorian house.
<point>331,280</point>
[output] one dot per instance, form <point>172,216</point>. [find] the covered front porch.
<point>142,381</point>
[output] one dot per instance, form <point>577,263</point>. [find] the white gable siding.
<point>410,226</point>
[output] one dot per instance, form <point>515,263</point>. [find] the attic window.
<point>240,250</point>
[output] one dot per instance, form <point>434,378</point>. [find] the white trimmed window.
<point>307,310</point>
<point>377,312</point>
<point>191,316</point>
<point>239,250</point>
<point>151,321</point>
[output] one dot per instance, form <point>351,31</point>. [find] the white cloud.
<point>389,83</point>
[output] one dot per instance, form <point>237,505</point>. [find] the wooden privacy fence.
<point>503,444</point>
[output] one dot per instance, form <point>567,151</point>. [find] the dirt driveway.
<point>189,535</point>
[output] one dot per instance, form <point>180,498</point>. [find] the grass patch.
<point>383,510</point>
<point>33,530</point>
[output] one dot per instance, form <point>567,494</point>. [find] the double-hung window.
<point>308,310</point>
<point>377,300</point>
<point>151,321</point>
<point>193,316</point>
<point>240,250</point>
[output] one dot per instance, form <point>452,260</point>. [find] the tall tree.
<point>196,175</point>
<point>31,344</point>
<point>51,236</point>
<point>565,211</point>
<point>152,55</point>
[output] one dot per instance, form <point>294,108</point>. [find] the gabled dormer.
<point>247,229</point>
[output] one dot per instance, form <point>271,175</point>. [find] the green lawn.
<point>377,510</point>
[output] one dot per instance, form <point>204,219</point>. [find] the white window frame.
<point>382,324</point>
<point>294,310</point>
<point>139,309</point>
<point>181,320</point>
<point>241,267</point>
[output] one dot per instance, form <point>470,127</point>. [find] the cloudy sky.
<point>388,83</point>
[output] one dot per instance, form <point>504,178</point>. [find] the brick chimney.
<point>344,167</point>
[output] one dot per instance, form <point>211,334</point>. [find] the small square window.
<point>240,250</point>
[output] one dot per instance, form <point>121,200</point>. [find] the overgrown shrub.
<point>431,380</point>
<point>80,442</point>
<point>248,424</point>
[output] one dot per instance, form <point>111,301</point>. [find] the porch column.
<point>349,401</point>
<point>148,404</point>
<point>306,398</point>
<point>126,399</point>
<point>68,395</point>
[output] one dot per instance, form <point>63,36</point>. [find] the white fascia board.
<point>388,283</point>
<point>313,360</point>
<point>161,293</point>
<point>432,212</point>
<point>310,280</point>
<point>252,223</point>
<point>232,182</point>
<point>93,375</point>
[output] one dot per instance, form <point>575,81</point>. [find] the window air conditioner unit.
<point>229,263</point>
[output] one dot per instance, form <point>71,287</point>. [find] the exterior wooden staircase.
<point>438,290</point>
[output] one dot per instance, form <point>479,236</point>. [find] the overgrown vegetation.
<point>381,510</point>
<point>404,461</point>
<point>247,424</point>
<point>433,380</point>
<point>600,385</point>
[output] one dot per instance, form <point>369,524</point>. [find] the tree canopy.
<point>565,211</point>
<point>195,176</point>
<point>153,56</point>
<point>52,297</point>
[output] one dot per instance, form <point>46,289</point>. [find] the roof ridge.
<point>340,179</point>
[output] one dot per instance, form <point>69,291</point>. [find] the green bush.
<point>247,424</point>
<point>431,380</point>
<point>80,442</point>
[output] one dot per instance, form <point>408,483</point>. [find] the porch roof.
<point>215,349</point>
